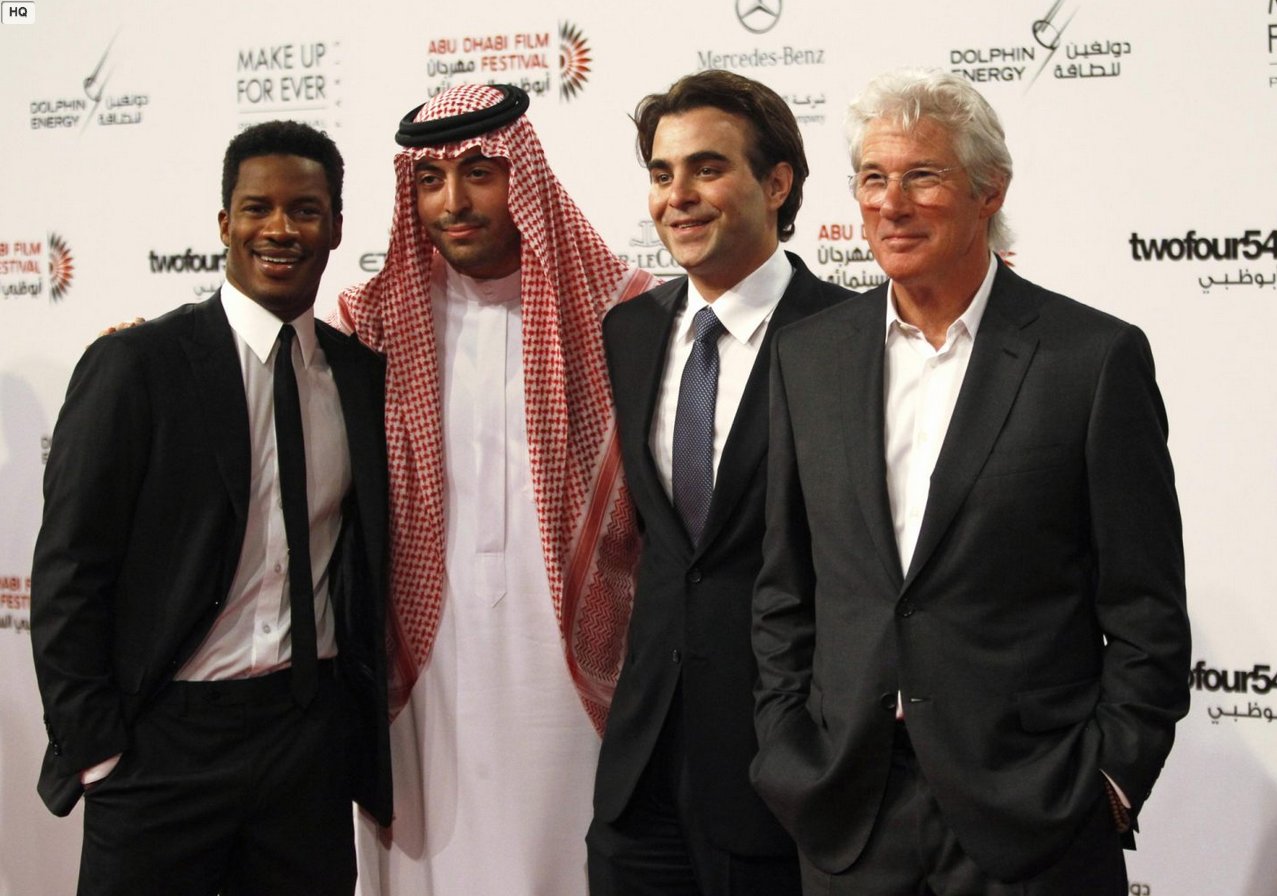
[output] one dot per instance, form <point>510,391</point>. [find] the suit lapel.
<point>362,404</point>
<point>647,362</point>
<point>999,360</point>
<point>210,347</point>
<point>746,443</point>
<point>857,366</point>
<point>348,391</point>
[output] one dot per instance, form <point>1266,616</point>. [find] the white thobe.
<point>494,755</point>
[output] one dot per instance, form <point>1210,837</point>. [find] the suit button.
<point>676,657</point>
<point>694,576</point>
<point>905,608</point>
<point>888,702</point>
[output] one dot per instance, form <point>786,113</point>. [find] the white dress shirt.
<point>921,385</point>
<point>251,635</point>
<point>745,310</point>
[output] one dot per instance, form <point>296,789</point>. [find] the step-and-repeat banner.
<point>1141,133</point>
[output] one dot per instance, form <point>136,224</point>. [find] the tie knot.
<point>286,335</point>
<point>706,325</point>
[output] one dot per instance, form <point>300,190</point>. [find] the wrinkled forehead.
<point>920,134</point>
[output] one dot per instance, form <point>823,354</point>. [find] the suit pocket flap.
<point>1008,459</point>
<point>816,705</point>
<point>1058,706</point>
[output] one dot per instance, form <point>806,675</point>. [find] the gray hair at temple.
<point>906,96</point>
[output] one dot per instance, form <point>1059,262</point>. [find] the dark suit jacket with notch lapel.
<point>691,614</point>
<point>1052,525</point>
<point>146,496</point>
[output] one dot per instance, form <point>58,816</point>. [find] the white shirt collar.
<point>260,329</point>
<point>744,307</point>
<point>968,319</point>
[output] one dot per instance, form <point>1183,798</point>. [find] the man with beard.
<point>513,538</point>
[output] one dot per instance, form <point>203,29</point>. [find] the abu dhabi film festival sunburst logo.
<point>61,267</point>
<point>575,58</point>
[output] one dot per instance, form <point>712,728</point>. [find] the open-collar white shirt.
<point>921,385</point>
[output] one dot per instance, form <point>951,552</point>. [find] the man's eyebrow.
<point>696,158</point>
<point>909,166</point>
<point>266,197</point>
<point>706,155</point>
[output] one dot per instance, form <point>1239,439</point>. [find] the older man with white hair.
<point>970,623</point>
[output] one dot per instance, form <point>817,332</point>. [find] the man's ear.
<point>336,241</point>
<point>993,198</point>
<point>777,184</point>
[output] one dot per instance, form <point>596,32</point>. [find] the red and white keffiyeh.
<point>569,278</point>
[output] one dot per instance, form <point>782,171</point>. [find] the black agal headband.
<point>513,103</point>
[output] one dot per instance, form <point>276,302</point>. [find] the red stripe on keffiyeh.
<point>569,279</point>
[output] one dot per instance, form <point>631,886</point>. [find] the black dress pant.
<point>912,852</point>
<point>227,787</point>
<point>658,846</point>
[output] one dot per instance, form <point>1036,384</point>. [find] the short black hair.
<point>776,135</point>
<point>288,138</point>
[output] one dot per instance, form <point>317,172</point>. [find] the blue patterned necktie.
<point>694,425</point>
<point>291,450</point>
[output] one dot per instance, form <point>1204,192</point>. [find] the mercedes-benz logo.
<point>758,16</point>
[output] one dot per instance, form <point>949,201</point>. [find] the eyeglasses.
<point>921,185</point>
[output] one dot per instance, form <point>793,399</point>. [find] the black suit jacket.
<point>146,497</point>
<point>691,615</point>
<point>1039,634</point>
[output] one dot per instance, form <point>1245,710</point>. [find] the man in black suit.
<point>208,586</point>
<point>674,810</point>
<point>970,623</point>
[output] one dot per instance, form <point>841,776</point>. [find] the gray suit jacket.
<point>1039,634</point>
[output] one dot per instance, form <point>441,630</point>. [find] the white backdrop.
<point>1142,187</point>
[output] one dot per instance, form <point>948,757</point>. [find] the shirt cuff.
<point>1126,804</point>
<point>99,771</point>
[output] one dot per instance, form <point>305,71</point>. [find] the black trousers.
<point>227,787</point>
<point>658,846</point>
<point>912,852</point>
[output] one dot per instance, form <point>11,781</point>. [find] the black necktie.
<point>291,450</point>
<point>694,425</point>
